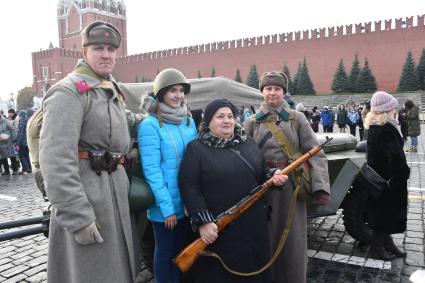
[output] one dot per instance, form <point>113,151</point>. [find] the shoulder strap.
<point>239,155</point>
<point>280,137</point>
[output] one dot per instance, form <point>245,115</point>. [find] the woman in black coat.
<point>387,214</point>
<point>212,179</point>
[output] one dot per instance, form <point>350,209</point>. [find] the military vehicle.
<point>344,161</point>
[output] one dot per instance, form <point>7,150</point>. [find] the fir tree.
<point>354,74</point>
<point>238,77</point>
<point>304,84</point>
<point>199,74</point>
<point>366,81</point>
<point>136,80</point>
<point>213,72</point>
<point>253,80</point>
<point>291,88</point>
<point>340,82</point>
<point>297,79</point>
<point>421,71</point>
<point>409,77</point>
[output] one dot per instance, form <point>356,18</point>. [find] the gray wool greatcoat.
<point>6,127</point>
<point>291,265</point>
<point>79,196</point>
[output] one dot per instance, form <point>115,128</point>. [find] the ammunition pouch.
<point>102,160</point>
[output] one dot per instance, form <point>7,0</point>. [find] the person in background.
<point>291,265</point>
<point>360,124</point>
<point>21,141</point>
<point>387,214</point>
<point>341,118</point>
<point>413,124</point>
<point>365,110</point>
<point>315,119</point>
<point>402,120</point>
<point>7,138</point>
<point>326,118</point>
<point>83,141</point>
<point>214,177</point>
<point>308,114</point>
<point>162,140</point>
<point>353,120</point>
<point>13,154</point>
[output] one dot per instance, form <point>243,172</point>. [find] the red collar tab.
<point>82,86</point>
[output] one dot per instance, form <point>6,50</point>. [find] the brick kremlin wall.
<point>384,43</point>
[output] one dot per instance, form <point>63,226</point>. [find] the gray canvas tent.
<point>202,91</point>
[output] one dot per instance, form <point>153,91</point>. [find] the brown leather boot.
<point>391,247</point>
<point>377,247</point>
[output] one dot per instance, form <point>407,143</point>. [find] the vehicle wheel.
<point>355,214</point>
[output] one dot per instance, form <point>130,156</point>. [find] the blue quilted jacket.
<point>161,150</point>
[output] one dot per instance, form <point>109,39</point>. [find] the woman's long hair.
<point>378,118</point>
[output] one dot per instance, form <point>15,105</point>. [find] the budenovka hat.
<point>274,78</point>
<point>213,106</point>
<point>382,102</point>
<point>99,32</point>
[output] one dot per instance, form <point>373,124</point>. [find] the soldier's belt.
<point>277,163</point>
<point>101,160</point>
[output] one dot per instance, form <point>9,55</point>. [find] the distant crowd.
<point>14,153</point>
<point>352,119</point>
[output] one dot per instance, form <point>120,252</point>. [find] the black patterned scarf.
<point>205,137</point>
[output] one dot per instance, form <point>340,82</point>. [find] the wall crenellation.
<point>282,38</point>
<point>64,52</point>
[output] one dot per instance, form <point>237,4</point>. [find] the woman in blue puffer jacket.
<point>162,139</point>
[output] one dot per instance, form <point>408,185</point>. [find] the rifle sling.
<point>282,241</point>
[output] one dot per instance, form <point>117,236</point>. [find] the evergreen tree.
<point>366,81</point>
<point>291,88</point>
<point>304,84</point>
<point>253,80</point>
<point>213,72</point>
<point>421,71</point>
<point>354,74</point>
<point>340,82</point>
<point>136,80</point>
<point>297,79</point>
<point>199,74</point>
<point>238,77</point>
<point>409,77</point>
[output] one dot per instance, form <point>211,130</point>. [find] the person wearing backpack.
<point>83,140</point>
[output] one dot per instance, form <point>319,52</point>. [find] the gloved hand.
<point>88,235</point>
<point>320,197</point>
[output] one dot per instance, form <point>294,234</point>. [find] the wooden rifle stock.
<point>190,254</point>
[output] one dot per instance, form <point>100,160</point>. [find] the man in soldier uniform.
<point>83,139</point>
<point>282,134</point>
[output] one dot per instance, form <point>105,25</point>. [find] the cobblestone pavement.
<point>333,255</point>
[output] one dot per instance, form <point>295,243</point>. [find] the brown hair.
<point>409,104</point>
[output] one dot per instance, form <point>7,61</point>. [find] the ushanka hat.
<point>99,32</point>
<point>213,106</point>
<point>274,78</point>
<point>382,102</point>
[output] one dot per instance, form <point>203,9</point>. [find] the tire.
<point>355,214</point>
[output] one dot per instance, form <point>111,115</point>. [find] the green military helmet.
<point>169,77</point>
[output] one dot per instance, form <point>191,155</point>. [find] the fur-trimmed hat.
<point>99,32</point>
<point>274,78</point>
<point>382,102</point>
<point>213,106</point>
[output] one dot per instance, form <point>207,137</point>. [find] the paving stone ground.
<point>333,255</point>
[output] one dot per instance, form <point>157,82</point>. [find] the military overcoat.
<point>291,265</point>
<point>7,128</point>
<point>80,196</point>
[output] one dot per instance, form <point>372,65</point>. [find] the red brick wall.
<point>386,51</point>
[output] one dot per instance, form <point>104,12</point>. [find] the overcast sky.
<point>30,25</point>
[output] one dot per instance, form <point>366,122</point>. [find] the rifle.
<point>190,254</point>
